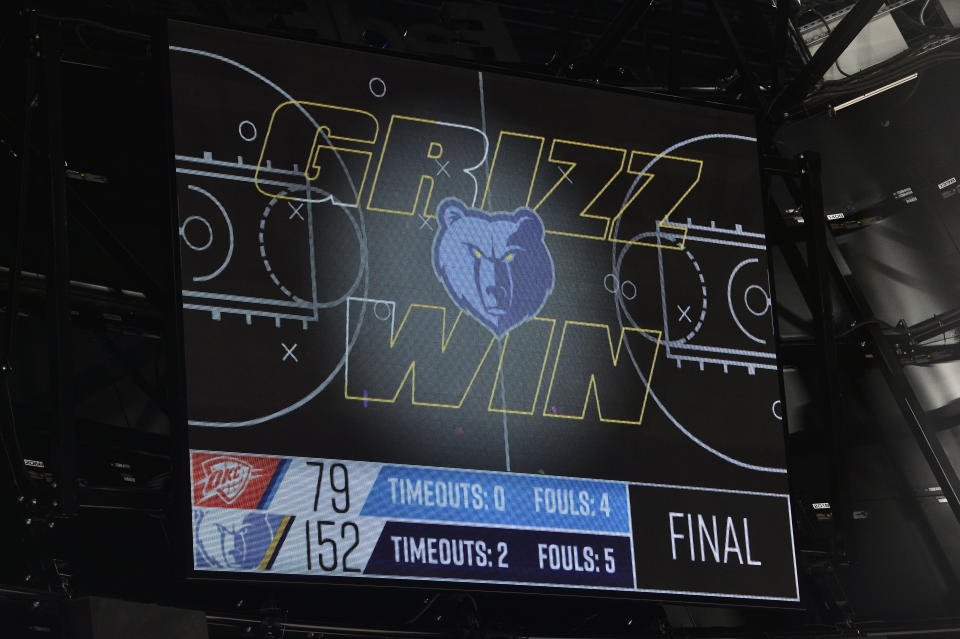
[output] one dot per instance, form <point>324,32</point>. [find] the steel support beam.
<point>821,296</point>
<point>58,279</point>
<point>835,266</point>
<point>780,44</point>
<point>20,218</point>
<point>746,75</point>
<point>935,326</point>
<point>676,45</point>
<point>839,39</point>
<point>10,441</point>
<point>791,254</point>
<point>777,231</point>
<point>906,399</point>
<point>112,246</point>
<point>626,18</point>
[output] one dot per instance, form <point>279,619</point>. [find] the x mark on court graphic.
<point>289,352</point>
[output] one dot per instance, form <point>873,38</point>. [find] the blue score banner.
<point>481,498</point>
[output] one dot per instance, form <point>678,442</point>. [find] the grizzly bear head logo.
<point>494,266</point>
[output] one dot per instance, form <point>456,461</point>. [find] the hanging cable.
<point>12,448</point>
<point>426,607</point>
<point>923,11</point>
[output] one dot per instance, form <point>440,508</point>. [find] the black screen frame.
<point>182,508</point>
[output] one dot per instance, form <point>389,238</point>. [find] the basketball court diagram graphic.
<point>258,260</point>
<point>693,347</point>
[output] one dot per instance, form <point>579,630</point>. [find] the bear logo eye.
<point>476,252</point>
<point>508,257</point>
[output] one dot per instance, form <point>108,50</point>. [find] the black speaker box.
<point>102,618</point>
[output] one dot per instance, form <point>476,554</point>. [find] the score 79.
<point>339,482</point>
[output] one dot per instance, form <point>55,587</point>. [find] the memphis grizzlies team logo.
<point>238,540</point>
<point>494,266</point>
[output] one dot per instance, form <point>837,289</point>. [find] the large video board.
<point>471,328</point>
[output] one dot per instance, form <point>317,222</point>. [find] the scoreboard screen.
<point>449,326</point>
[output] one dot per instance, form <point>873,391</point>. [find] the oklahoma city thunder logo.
<point>495,266</point>
<point>225,477</point>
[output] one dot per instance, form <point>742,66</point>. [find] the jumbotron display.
<point>471,328</point>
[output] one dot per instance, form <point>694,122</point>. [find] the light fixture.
<point>870,94</point>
